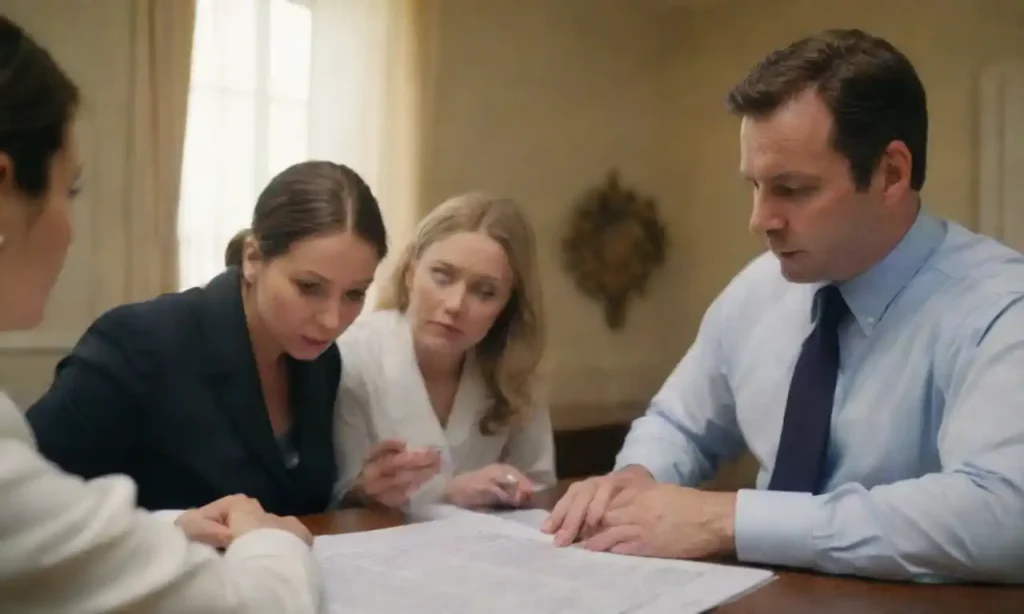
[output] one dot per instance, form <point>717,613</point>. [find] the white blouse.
<point>383,396</point>
<point>70,545</point>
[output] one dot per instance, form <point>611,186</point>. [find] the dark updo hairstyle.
<point>310,199</point>
<point>37,103</point>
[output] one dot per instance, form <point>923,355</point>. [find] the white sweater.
<point>68,545</point>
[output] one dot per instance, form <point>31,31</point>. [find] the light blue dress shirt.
<point>924,478</point>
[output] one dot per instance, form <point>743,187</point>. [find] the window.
<point>248,119</point>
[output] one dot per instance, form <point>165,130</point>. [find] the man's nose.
<point>765,217</point>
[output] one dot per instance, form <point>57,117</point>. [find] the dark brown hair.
<point>871,88</point>
<point>308,199</point>
<point>37,103</point>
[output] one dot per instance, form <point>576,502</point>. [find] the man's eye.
<point>785,191</point>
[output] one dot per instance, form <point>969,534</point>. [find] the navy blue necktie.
<point>800,461</point>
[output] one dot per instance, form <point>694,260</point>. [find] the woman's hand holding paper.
<point>393,471</point>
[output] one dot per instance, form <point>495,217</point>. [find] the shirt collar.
<point>869,294</point>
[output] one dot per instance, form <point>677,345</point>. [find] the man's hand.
<point>392,472</point>
<point>581,510</point>
<point>209,524</point>
<point>668,521</point>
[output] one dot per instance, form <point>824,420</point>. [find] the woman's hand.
<point>209,524</point>
<point>393,471</point>
<point>249,516</point>
<point>496,484</point>
<point>219,523</point>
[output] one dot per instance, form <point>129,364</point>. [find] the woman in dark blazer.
<point>228,388</point>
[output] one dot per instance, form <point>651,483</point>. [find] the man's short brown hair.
<point>871,88</point>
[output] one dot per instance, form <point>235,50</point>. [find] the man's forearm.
<point>637,472</point>
<point>720,508</point>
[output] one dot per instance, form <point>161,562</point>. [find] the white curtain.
<point>161,52</point>
<point>276,82</point>
<point>1001,153</point>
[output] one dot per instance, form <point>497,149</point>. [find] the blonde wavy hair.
<point>509,355</point>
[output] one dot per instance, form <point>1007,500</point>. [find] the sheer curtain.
<point>276,82</point>
<point>1001,153</point>
<point>160,57</point>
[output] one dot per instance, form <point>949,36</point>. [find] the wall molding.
<point>1001,153</point>
<point>583,452</point>
<point>602,389</point>
<point>39,341</point>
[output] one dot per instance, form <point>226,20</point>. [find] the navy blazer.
<point>167,392</point>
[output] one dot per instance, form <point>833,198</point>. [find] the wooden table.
<point>793,592</point>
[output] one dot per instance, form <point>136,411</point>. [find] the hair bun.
<point>235,248</point>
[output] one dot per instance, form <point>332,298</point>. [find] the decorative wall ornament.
<point>613,243</point>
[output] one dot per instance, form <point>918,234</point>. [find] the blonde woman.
<point>439,398</point>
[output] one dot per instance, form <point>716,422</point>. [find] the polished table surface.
<point>793,592</point>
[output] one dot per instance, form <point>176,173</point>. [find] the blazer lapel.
<point>234,376</point>
<point>313,424</point>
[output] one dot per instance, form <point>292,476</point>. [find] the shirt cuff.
<point>663,473</point>
<point>168,516</point>
<point>774,527</point>
<point>263,541</point>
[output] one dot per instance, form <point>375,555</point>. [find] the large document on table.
<point>476,564</point>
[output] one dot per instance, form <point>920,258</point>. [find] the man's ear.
<point>9,214</point>
<point>896,167</point>
<point>6,173</point>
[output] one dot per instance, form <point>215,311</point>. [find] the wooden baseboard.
<point>584,452</point>
<point>588,451</point>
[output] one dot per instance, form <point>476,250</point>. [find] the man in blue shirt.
<point>871,361</point>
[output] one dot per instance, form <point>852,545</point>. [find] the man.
<point>871,361</point>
